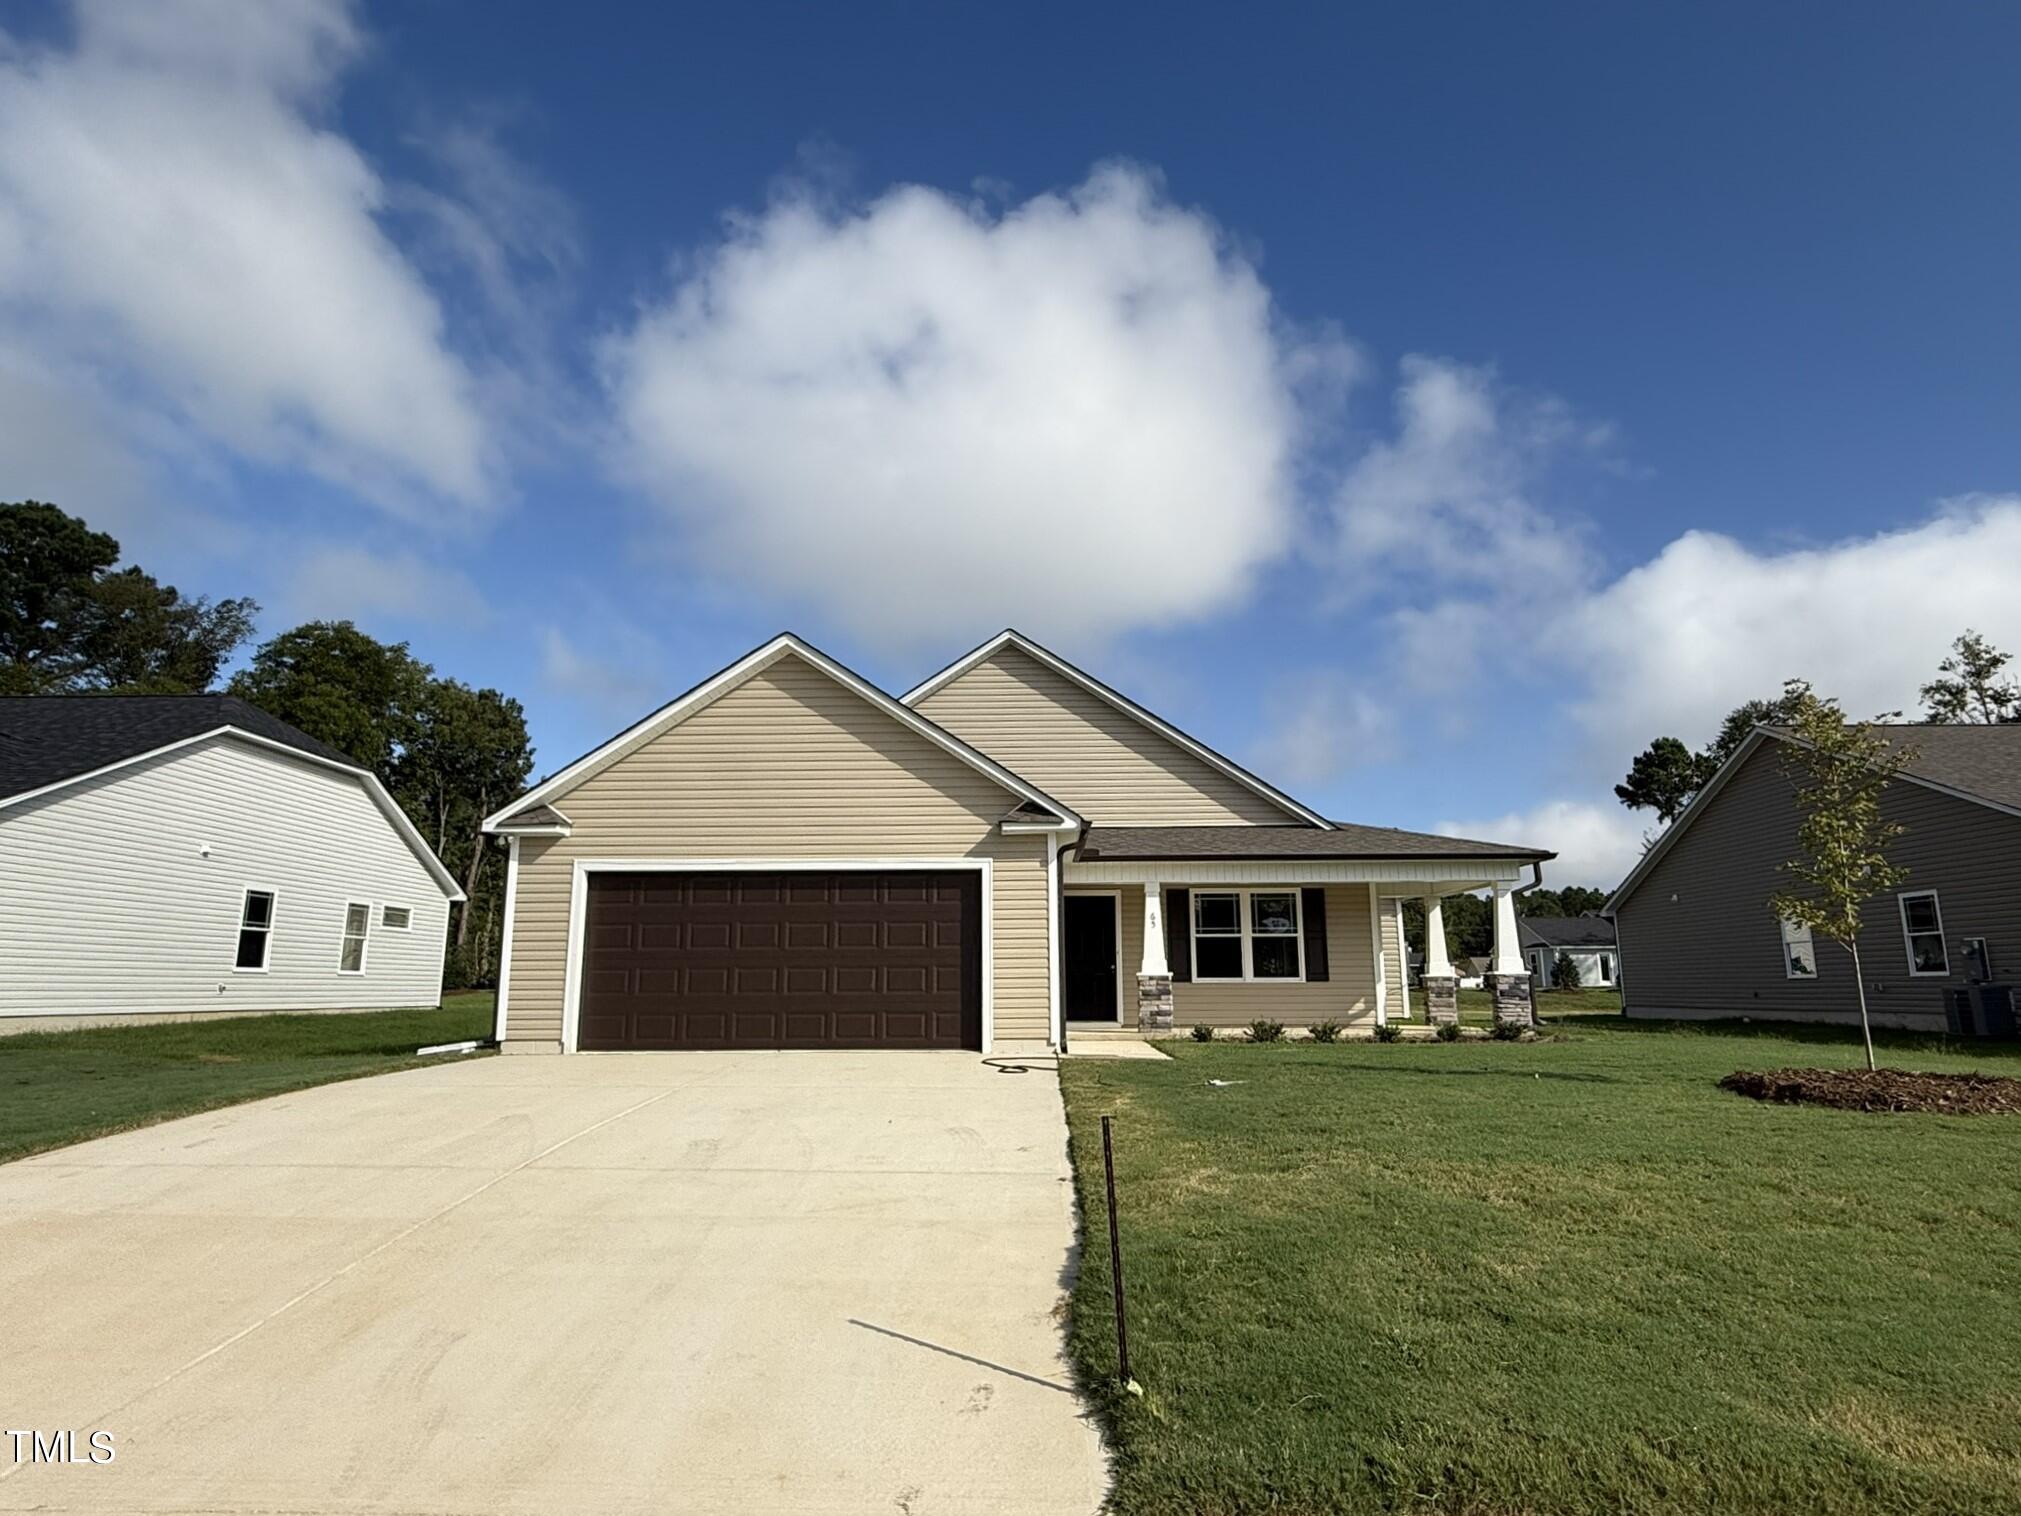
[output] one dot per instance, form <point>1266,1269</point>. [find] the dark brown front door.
<point>789,960</point>
<point>1088,967</point>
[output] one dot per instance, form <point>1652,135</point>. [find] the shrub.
<point>1449,1031</point>
<point>1203,1033</point>
<point>1388,1031</point>
<point>1565,973</point>
<point>1507,1031</point>
<point>1266,1031</point>
<point>1324,1031</point>
<point>456,969</point>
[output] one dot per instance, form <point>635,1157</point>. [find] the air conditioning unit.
<point>1982,1010</point>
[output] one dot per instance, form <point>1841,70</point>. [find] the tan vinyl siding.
<point>109,905</point>
<point>1697,939</point>
<point>1394,969</point>
<point>1347,995</point>
<point>790,764</point>
<point>1085,753</point>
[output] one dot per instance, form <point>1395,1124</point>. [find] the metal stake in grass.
<point>1116,1264</point>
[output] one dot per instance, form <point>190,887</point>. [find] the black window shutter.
<point>1312,910</point>
<point>1179,935</point>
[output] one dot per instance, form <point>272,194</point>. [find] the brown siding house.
<point>1697,938</point>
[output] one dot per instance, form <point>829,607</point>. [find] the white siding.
<point>107,905</point>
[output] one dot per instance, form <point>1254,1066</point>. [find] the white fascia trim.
<point>756,662</point>
<point>1451,877</point>
<point>1122,703</point>
<point>578,911</point>
<point>505,943</point>
<point>373,788</point>
<point>1048,828</point>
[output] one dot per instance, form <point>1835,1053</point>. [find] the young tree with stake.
<point>1840,770</point>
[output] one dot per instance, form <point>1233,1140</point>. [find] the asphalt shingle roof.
<point>48,738</point>
<point>1119,844</point>
<point>1565,931</point>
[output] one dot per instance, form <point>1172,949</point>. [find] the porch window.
<point>1923,933</point>
<point>1799,961</point>
<point>1246,934</point>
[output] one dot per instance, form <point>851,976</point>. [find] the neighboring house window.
<point>1923,931</point>
<point>1246,934</point>
<point>256,930</point>
<point>396,918</point>
<point>1799,961</point>
<point>357,922</point>
<point>1606,968</point>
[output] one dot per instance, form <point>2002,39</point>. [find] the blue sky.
<point>1426,406</point>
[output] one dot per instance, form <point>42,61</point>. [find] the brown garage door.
<point>791,960</point>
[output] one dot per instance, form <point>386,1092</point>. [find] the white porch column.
<point>1154,964</point>
<point>1437,964</point>
<point>1508,951</point>
<point>1154,974</point>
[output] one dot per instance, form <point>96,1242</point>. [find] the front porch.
<point>1286,931</point>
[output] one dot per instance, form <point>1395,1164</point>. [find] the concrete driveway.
<point>708,1282</point>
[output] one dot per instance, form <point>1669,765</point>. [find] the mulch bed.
<point>1882,1090</point>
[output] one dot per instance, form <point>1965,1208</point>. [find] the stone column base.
<point>1154,1002</point>
<point>1442,998</point>
<point>1511,996</point>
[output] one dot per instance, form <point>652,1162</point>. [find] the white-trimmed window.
<point>357,925</point>
<point>1606,968</point>
<point>396,918</point>
<point>256,931</point>
<point>1923,935</point>
<point>1247,934</point>
<point>1799,959</point>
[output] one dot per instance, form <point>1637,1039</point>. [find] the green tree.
<point>68,623</point>
<point>1572,900</point>
<point>1565,972</point>
<point>1839,770</point>
<point>1663,778</point>
<point>358,694</point>
<point>466,754</point>
<point>1970,687</point>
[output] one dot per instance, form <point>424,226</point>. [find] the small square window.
<point>396,918</point>
<point>1217,958</point>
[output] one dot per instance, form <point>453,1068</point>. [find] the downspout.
<point>1536,880</point>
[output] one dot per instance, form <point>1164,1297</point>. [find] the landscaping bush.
<point>1507,1031</point>
<point>1203,1033</point>
<point>1449,1031</point>
<point>1565,973</point>
<point>1266,1031</point>
<point>456,970</point>
<point>1325,1031</point>
<point>1388,1031</point>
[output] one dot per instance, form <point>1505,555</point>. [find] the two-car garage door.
<point>784,960</point>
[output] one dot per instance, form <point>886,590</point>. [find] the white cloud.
<point>622,685</point>
<point>928,416</point>
<point>1671,646</point>
<point>1322,728</point>
<point>173,216</point>
<point>1596,844</point>
<point>336,582</point>
<point>1448,499</point>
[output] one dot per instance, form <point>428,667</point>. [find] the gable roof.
<point>1121,702</point>
<point>1564,931</point>
<point>46,739</point>
<point>723,681</point>
<point>1342,839</point>
<point>50,741</point>
<point>1979,764</point>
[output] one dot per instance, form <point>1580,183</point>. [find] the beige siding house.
<point>1697,938</point>
<point>169,857</point>
<point>786,856</point>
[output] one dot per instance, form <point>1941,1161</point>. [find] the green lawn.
<point>1569,1275</point>
<point>58,1088</point>
<point>1477,1009</point>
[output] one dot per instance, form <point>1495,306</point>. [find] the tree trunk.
<point>1860,983</point>
<point>469,890</point>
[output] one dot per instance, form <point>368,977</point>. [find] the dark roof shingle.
<point>45,739</point>
<point>1121,844</point>
<point>1565,931</point>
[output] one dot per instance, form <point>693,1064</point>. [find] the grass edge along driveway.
<point>1572,1275</point>
<point>59,1088</point>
